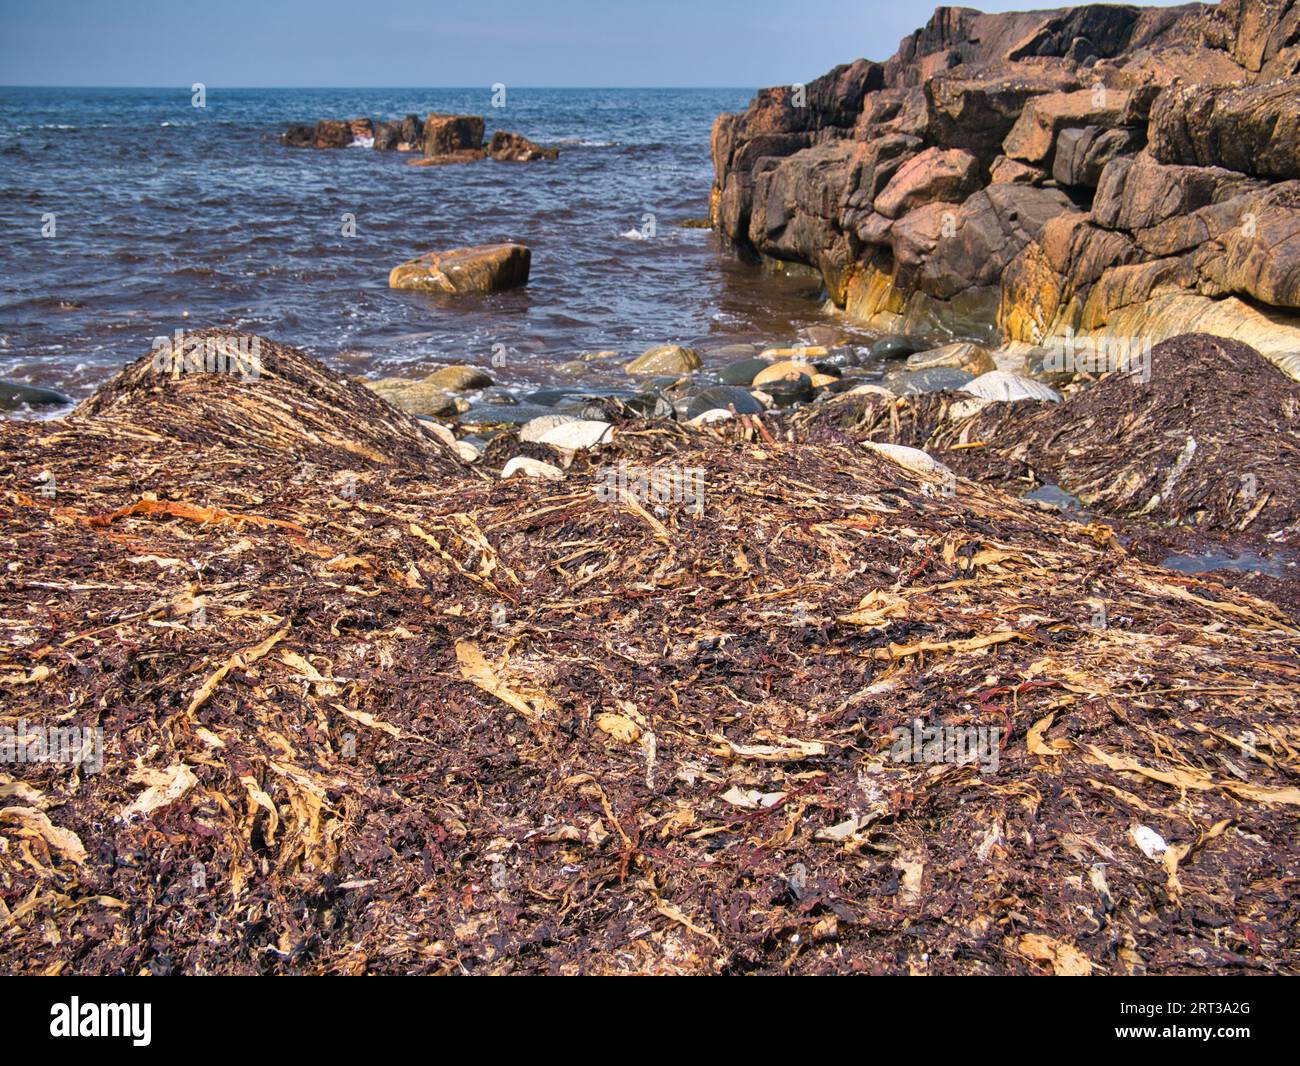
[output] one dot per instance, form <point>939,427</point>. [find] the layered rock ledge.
<point>1102,171</point>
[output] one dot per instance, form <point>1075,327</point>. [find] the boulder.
<point>536,428</point>
<point>713,414</point>
<point>786,370</point>
<point>909,458</point>
<point>935,379</point>
<point>515,148</point>
<point>482,269</point>
<point>786,392</point>
<point>448,135</point>
<point>1005,386</point>
<point>743,371</point>
<point>416,397</point>
<point>665,359</point>
<point>723,397</point>
<point>895,347</point>
<point>937,174</point>
<point>459,378</point>
<point>577,435</point>
<point>14,394</point>
<point>963,355</point>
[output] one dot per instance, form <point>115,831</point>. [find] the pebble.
<point>521,464</point>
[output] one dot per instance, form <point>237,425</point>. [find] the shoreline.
<point>953,629</point>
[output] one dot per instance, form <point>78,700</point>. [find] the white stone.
<point>909,458</point>
<point>521,464</point>
<point>1004,386</point>
<point>577,435</point>
<point>717,414</point>
<point>534,429</point>
<point>965,408</point>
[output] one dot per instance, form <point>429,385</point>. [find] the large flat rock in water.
<point>482,269</point>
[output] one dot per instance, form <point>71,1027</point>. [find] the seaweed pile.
<point>1201,447</point>
<point>367,709</point>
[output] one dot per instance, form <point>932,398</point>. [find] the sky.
<point>418,43</point>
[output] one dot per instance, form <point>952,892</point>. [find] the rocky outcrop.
<point>516,148</point>
<point>448,135</point>
<point>440,138</point>
<point>1100,171</point>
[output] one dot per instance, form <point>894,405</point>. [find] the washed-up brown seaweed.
<point>367,709</point>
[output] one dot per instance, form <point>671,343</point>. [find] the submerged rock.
<point>482,269</point>
<point>460,378</point>
<point>516,148</point>
<point>416,397</point>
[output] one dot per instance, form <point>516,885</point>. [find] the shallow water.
<point>1246,562</point>
<point>169,216</point>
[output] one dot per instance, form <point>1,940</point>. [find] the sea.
<point>132,213</point>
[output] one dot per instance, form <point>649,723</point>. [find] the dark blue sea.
<point>169,216</point>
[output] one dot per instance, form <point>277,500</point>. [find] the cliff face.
<point>1027,173</point>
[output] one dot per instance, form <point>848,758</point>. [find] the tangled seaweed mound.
<point>1207,435</point>
<point>399,717</point>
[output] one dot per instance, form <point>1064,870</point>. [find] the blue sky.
<point>438,43</point>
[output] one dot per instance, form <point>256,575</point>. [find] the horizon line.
<point>376,88</point>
